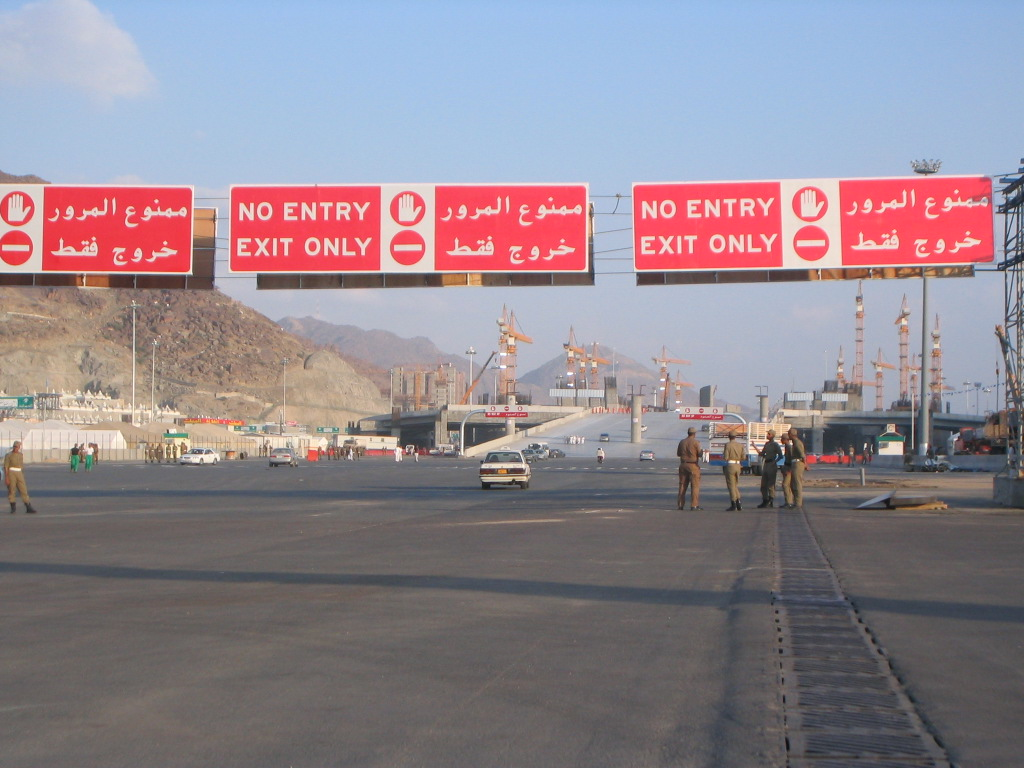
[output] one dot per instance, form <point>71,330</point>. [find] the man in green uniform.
<point>14,476</point>
<point>689,453</point>
<point>770,455</point>
<point>796,458</point>
<point>733,457</point>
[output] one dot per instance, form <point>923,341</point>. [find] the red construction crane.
<point>664,382</point>
<point>508,337</point>
<point>880,365</point>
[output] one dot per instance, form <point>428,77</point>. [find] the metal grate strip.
<point>842,703</point>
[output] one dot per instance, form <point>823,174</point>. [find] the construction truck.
<point>992,437</point>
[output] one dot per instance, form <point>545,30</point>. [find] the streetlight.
<point>152,384</point>
<point>470,353</point>
<point>925,168</point>
<point>133,307</point>
<point>284,392</point>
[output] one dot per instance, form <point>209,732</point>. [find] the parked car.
<point>283,456</point>
<point>505,467</point>
<point>646,455</point>
<point>199,456</point>
<point>605,438</point>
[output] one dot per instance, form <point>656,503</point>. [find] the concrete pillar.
<point>636,413</point>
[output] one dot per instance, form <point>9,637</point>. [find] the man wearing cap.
<point>770,455</point>
<point>689,453</point>
<point>733,458</point>
<point>14,475</point>
<point>796,458</point>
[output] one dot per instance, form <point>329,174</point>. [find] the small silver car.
<point>283,457</point>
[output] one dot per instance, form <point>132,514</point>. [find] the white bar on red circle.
<point>702,413</point>
<point>813,224</point>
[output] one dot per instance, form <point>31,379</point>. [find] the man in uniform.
<point>689,453</point>
<point>770,455</point>
<point>14,475</point>
<point>796,457</point>
<point>733,458</point>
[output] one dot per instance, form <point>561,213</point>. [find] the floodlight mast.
<point>925,168</point>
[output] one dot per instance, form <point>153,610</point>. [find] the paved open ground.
<point>383,614</point>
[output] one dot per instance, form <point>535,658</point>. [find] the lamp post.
<point>284,393</point>
<point>469,382</point>
<point>133,307</point>
<point>152,384</point>
<point>925,168</point>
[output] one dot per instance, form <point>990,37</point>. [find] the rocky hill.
<point>10,178</point>
<point>214,356</point>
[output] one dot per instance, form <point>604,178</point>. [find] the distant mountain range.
<point>372,353</point>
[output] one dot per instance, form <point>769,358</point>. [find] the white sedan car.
<point>505,467</point>
<point>199,456</point>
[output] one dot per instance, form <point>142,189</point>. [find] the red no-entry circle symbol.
<point>408,247</point>
<point>810,243</point>
<point>15,247</point>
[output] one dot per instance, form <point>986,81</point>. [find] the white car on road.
<point>199,456</point>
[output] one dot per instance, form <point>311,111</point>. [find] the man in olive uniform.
<point>786,471</point>
<point>733,458</point>
<point>796,458</point>
<point>14,475</point>
<point>770,455</point>
<point>689,453</point>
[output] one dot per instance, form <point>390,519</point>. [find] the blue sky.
<point>219,93</point>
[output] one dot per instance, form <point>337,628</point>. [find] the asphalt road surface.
<point>376,613</point>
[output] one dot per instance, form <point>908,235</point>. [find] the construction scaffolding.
<point>1011,333</point>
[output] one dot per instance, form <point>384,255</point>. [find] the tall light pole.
<point>925,168</point>
<point>152,384</point>
<point>133,307</point>
<point>284,392</point>
<point>470,353</point>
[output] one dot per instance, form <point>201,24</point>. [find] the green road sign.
<point>22,402</point>
<point>246,428</point>
<point>328,430</point>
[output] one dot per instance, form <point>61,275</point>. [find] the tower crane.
<point>575,361</point>
<point>904,324</point>
<point>880,365</point>
<point>594,360</point>
<point>858,343</point>
<point>678,384</point>
<point>508,337</point>
<point>936,393</point>
<point>664,382</point>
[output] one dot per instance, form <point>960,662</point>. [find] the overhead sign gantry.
<point>803,229</point>
<point>317,236</point>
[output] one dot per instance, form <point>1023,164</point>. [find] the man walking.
<point>733,457</point>
<point>796,457</point>
<point>14,475</point>
<point>770,455</point>
<point>689,453</point>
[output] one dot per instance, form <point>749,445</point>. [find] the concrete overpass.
<point>439,426</point>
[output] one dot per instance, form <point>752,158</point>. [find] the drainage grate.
<point>843,706</point>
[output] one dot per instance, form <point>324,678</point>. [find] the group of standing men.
<point>791,453</point>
